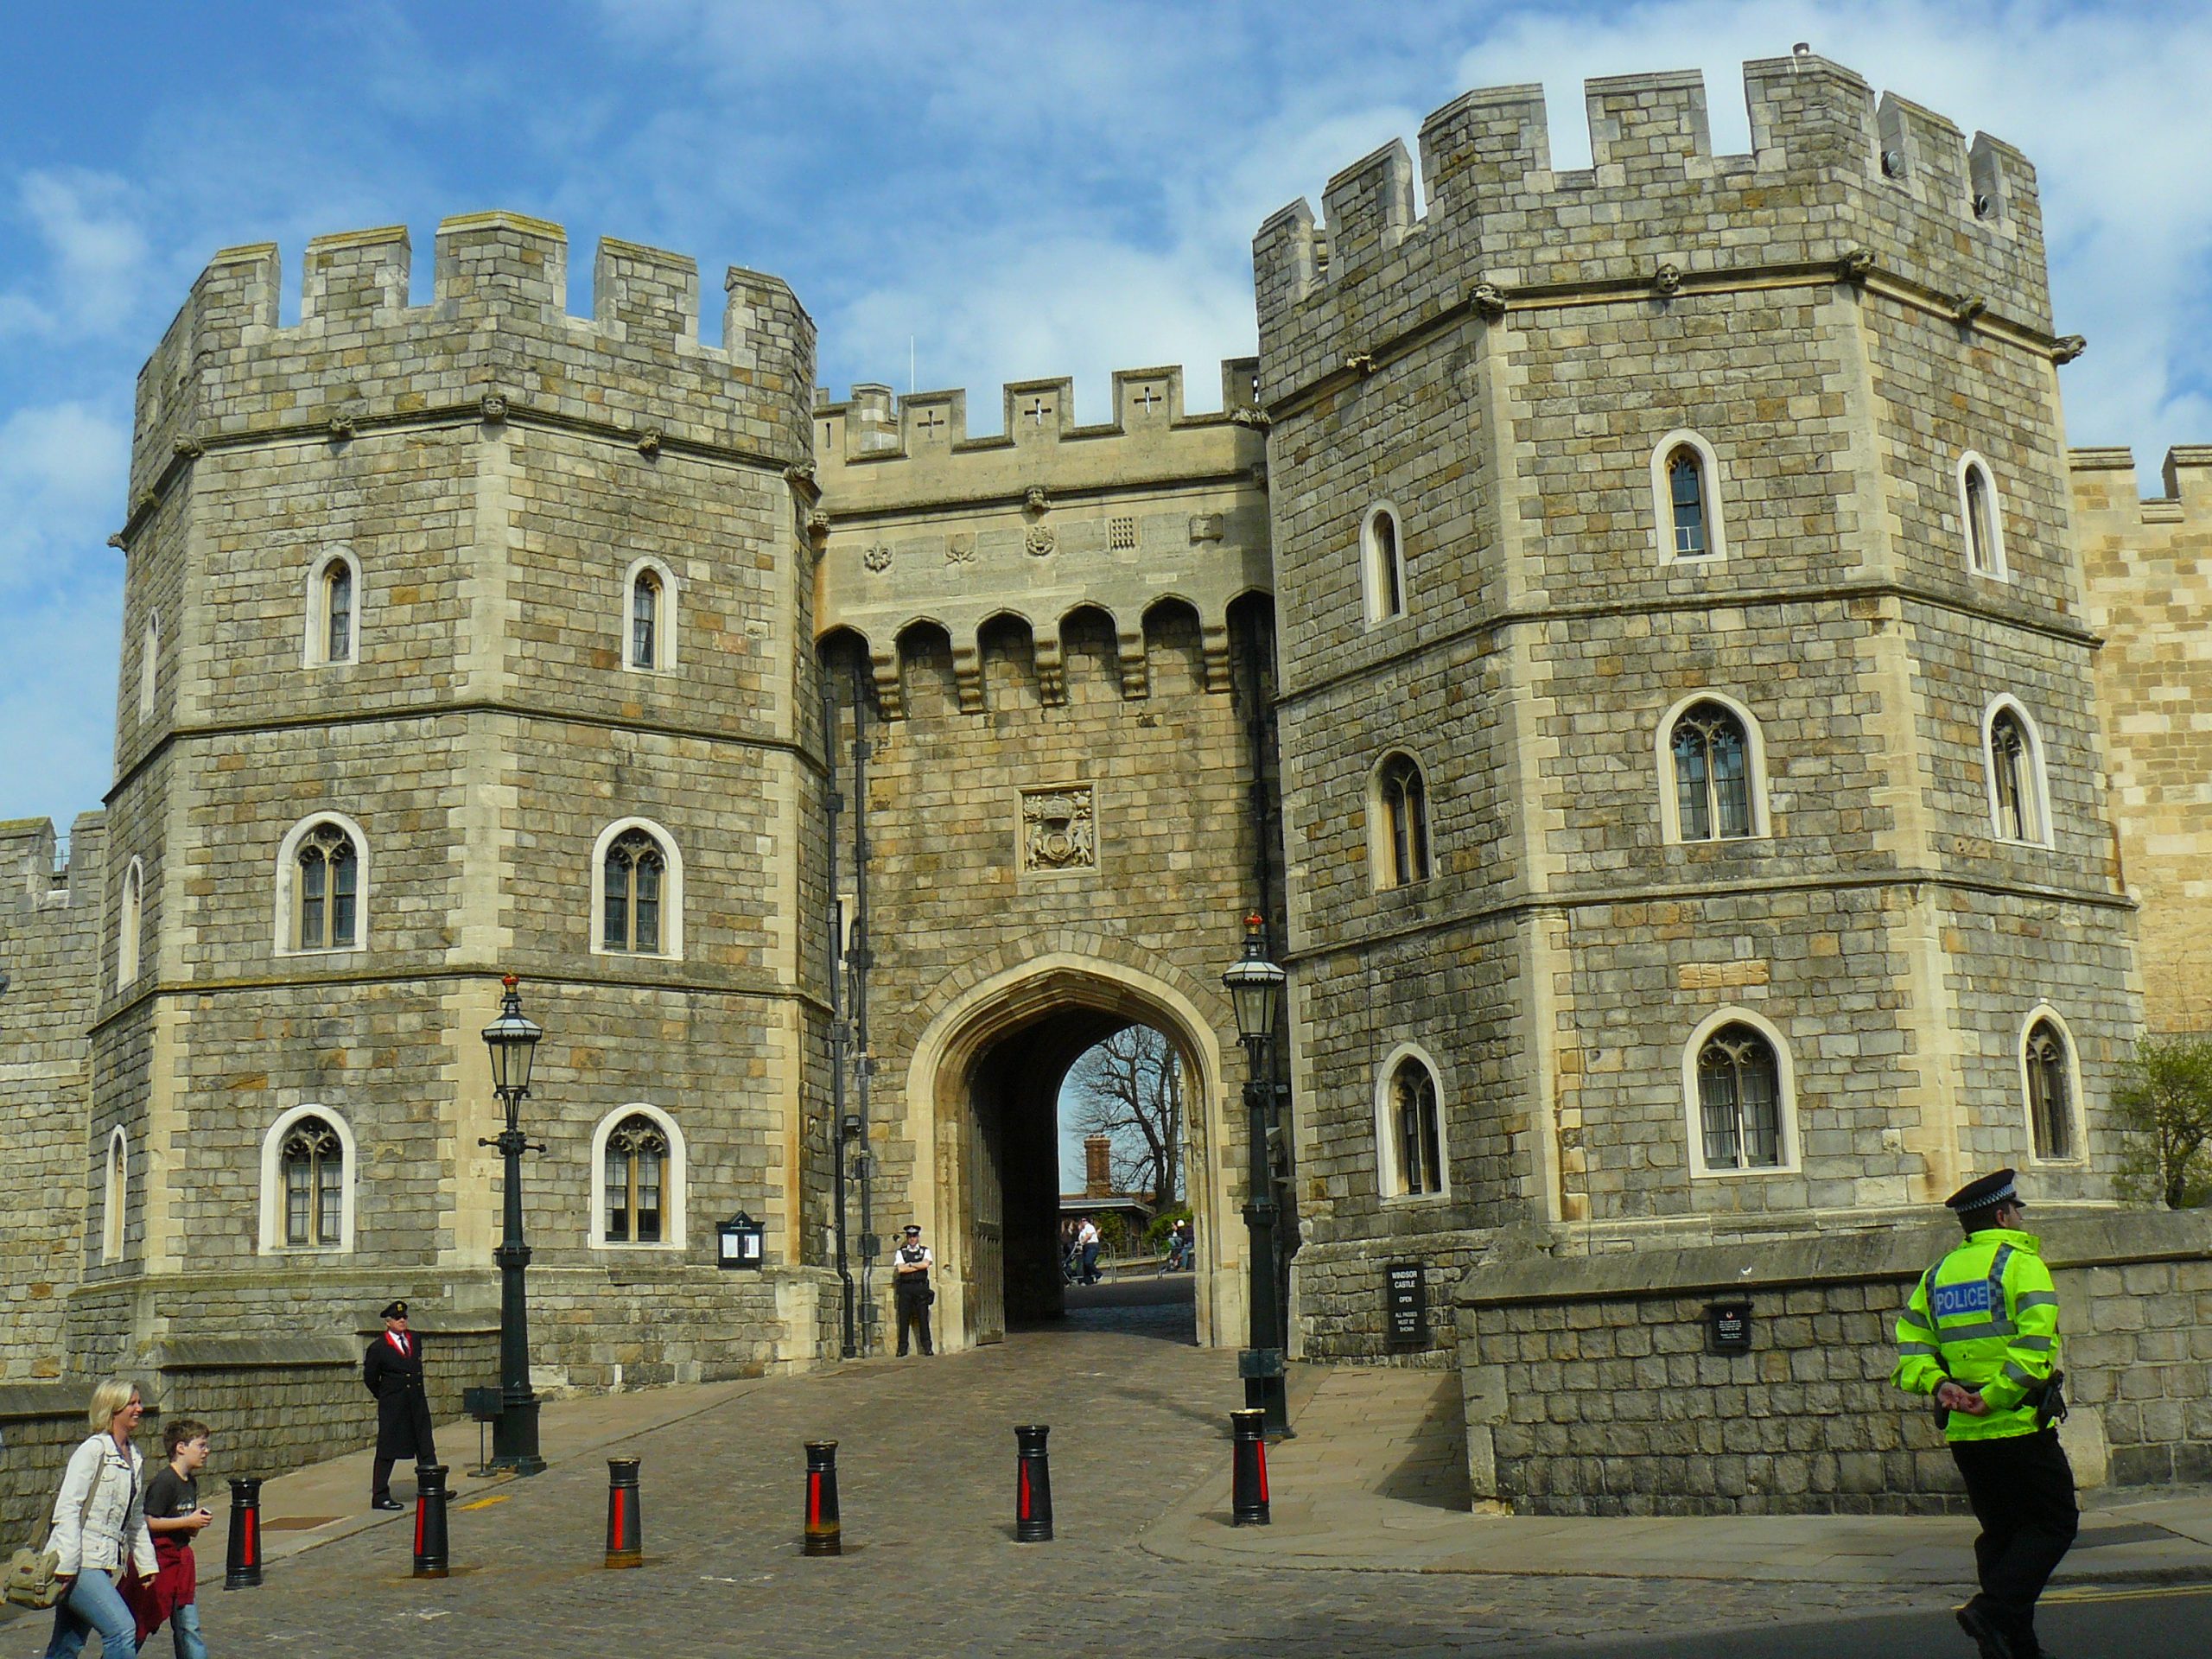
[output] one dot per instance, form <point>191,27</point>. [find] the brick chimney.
<point>1097,1167</point>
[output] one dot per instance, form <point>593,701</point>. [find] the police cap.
<point>393,1311</point>
<point>1982,1194</point>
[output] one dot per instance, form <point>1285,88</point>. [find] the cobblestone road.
<point>926,1464</point>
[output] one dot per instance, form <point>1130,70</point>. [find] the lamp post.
<point>1254,987</point>
<point>513,1041</point>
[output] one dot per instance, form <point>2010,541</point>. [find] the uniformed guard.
<point>392,1369</point>
<point>1981,1334</point>
<point>909,1290</point>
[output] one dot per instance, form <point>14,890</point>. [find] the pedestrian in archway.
<point>1086,1239</point>
<point>910,1290</point>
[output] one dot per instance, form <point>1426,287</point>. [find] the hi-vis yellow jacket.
<point>1984,1316</point>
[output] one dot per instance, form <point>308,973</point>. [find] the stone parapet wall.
<point>1590,1388</point>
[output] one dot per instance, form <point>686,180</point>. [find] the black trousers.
<point>2022,1489</point>
<point>914,1316</point>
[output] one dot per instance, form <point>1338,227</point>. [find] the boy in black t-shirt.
<point>175,1517</point>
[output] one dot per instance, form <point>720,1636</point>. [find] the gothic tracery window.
<point>1712,774</point>
<point>634,868</point>
<point>312,1160</point>
<point>634,1173</point>
<point>1404,802</point>
<point>2050,1107</point>
<point>1739,1100</point>
<point>2015,792</point>
<point>326,889</point>
<point>1416,1140</point>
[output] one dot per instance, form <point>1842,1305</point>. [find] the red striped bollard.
<point>825,1533</point>
<point>625,1523</point>
<point>1249,1490</point>
<point>1033,1486</point>
<point>430,1520</point>
<point>242,1556</point>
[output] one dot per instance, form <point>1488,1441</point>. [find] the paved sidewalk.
<point>1374,1479</point>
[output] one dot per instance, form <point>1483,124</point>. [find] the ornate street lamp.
<point>513,1042</point>
<point>1255,986</point>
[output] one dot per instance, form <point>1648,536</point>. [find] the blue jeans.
<point>93,1603</point>
<point>184,1629</point>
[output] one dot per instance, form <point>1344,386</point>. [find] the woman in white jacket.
<point>99,1529</point>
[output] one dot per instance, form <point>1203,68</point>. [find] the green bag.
<point>30,1580</point>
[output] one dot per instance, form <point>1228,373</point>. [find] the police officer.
<point>392,1369</point>
<point>909,1290</point>
<point>1981,1334</point>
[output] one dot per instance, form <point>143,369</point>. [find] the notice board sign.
<point>1405,1306</point>
<point>1728,1327</point>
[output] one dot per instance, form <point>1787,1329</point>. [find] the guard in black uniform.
<point>909,1290</point>
<point>392,1369</point>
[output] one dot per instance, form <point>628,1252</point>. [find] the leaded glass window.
<point>1417,1140</point>
<point>1405,817</point>
<point>635,867</point>
<point>636,1166</point>
<point>1713,778</point>
<point>2050,1110</point>
<point>1686,496</point>
<point>1739,1100</point>
<point>313,1162</point>
<point>329,886</point>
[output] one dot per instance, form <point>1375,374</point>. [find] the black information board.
<point>1728,1327</point>
<point>1405,1305</point>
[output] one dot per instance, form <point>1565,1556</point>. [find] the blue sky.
<point>1019,190</point>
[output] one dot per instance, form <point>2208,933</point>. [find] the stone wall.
<point>1591,1389</point>
<point>50,952</point>
<point>2148,565</point>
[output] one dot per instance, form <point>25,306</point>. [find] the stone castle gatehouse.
<point>1638,635</point>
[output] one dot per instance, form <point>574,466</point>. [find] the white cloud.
<point>62,472</point>
<point>89,226</point>
<point>57,699</point>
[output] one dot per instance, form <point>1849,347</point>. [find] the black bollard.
<point>626,1525</point>
<point>825,1533</point>
<point>1033,1488</point>
<point>242,1558</point>
<point>430,1520</point>
<point>1248,1430</point>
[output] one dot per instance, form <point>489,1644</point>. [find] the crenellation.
<point>1036,413</point>
<point>1647,127</point>
<point>356,279</point>
<point>501,264</point>
<point>1370,206</point>
<point>1483,150</point>
<point>1655,200</point>
<point>641,293</point>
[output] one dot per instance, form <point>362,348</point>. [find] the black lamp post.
<point>1256,988</point>
<point>513,1041</point>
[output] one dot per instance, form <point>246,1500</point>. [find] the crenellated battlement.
<point>874,447</point>
<point>495,339</point>
<point>2104,486</point>
<point>1835,179</point>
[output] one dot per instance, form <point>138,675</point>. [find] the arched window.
<point>638,1198</point>
<point>307,1169</point>
<point>637,891</point>
<point>1981,516</point>
<point>636,1156</point>
<point>129,922</point>
<point>1402,812</point>
<point>114,1195</point>
<point>1686,498</point>
<point>312,1160</point>
<point>150,664</point>
<point>644,618</point>
<point>1739,1100</point>
<point>328,887</point>
<point>334,606</point>
<point>2013,754</point>
<point>649,616</point>
<point>338,611</point>
<point>1383,556</point>
<point>2049,1060</point>
<point>1414,1136</point>
<point>635,866</point>
<point>1713,784</point>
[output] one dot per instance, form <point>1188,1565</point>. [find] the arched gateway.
<point>982,1088</point>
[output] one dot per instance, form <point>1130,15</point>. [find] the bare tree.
<point>1131,1087</point>
<point>2164,1108</point>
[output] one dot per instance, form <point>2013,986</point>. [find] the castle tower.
<point>1693,785</point>
<point>473,638</point>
